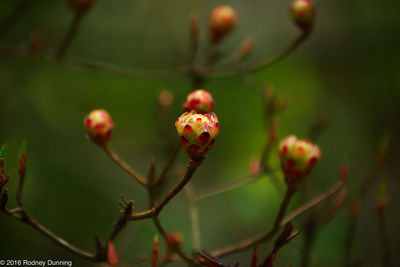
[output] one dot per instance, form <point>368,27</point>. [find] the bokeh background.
<point>347,72</point>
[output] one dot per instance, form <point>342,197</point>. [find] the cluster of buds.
<point>221,22</point>
<point>200,101</point>
<point>197,132</point>
<point>303,14</point>
<point>297,157</point>
<point>80,6</point>
<point>99,126</point>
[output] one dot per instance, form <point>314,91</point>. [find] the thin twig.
<point>231,185</point>
<point>194,217</point>
<point>250,242</point>
<point>256,65</point>
<point>124,165</point>
<point>285,204</point>
<point>169,164</point>
<point>193,165</point>
<point>69,36</point>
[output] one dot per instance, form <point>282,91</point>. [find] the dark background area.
<point>347,72</point>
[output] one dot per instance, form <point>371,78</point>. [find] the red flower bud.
<point>99,126</point>
<point>200,101</point>
<point>174,240</point>
<point>112,254</point>
<point>221,22</point>
<point>303,14</point>
<point>298,157</point>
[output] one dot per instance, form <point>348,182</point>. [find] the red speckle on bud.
<point>303,14</point>
<point>221,22</point>
<point>80,6</point>
<point>298,157</point>
<point>197,132</point>
<point>112,254</point>
<point>200,101</point>
<point>99,126</point>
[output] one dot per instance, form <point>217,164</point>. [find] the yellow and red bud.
<point>298,158</point>
<point>200,101</point>
<point>197,132</point>
<point>99,126</point>
<point>303,14</point>
<point>221,22</point>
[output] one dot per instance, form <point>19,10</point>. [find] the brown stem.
<point>69,36</point>
<point>193,165</point>
<point>234,184</point>
<point>250,242</point>
<point>122,221</point>
<point>169,164</point>
<point>285,203</point>
<point>124,165</point>
<point>257,65</point>
<point>23,216</point>
<point>161,229</point>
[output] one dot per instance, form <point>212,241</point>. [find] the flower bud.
<point>80,6</point>
<point>245,48</point>
<point>112,254</point>
<point>197,132</point>
<point>174,240</point>
<point>200,101</point>
<point>99,126</point>
<point>303,14</point>
<point>222,20</point>
<point>165,98</point>
<point>297,157</point>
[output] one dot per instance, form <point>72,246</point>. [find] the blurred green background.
<point>347,72</point>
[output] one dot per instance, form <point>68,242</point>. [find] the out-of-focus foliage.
<point>348,72</point>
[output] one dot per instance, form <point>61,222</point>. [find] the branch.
<point>169,164</point>
<point>124,165</point>
<point>250,242</point>
<point>231,185</point>
<point>69,36</point>
<point>22,215</point>
<point>193,165</point>
<point>194,217</point>
<point>256,65</point>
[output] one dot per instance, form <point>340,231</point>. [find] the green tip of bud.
<point>24,147</point>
